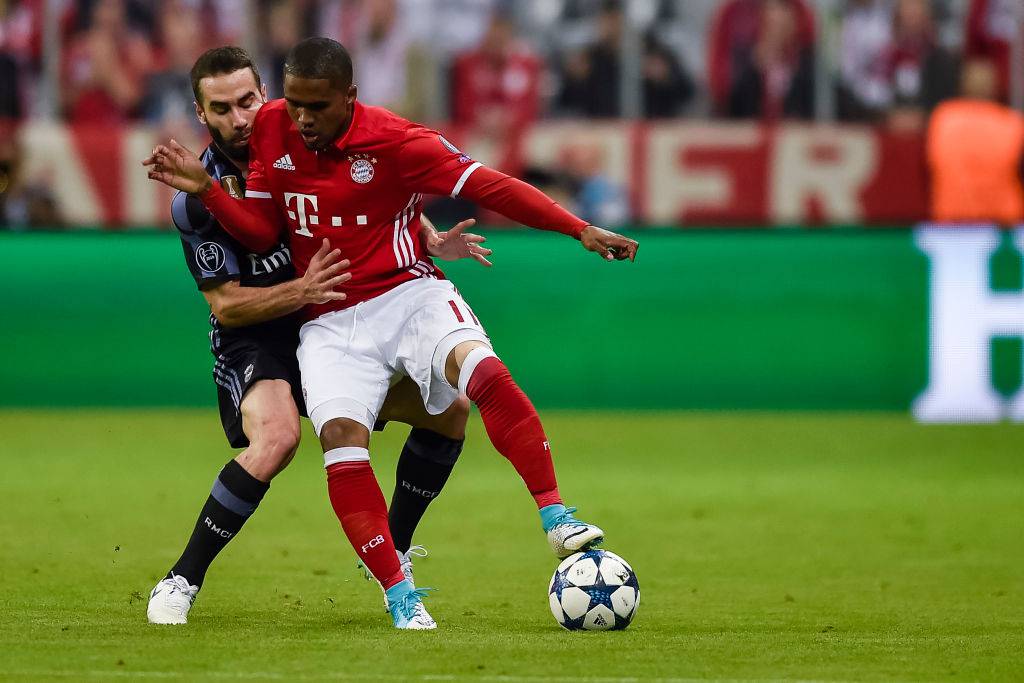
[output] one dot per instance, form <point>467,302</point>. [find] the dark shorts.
<point>238,366</point>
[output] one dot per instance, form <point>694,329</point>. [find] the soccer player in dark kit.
<point>254,299</point>
<point>324,165</point>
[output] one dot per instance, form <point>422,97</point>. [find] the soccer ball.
<point>594,591</point>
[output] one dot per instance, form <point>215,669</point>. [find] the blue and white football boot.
<point>405,602</point>
<point>566,534</point>
<point>405,560</point>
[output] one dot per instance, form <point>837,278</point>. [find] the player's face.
<point>229,106</point>
<point>320,110</point>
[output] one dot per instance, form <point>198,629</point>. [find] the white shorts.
<point>350,358</point>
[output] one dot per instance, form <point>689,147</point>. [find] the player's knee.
<point>282,439</point>
<point>342,432</point>
<point>274,446</point>
<point>463,361</point>
<point>456,359</point>
<point>452,422</point>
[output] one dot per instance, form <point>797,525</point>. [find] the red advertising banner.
<point>675,174</point>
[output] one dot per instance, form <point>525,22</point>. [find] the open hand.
<point>457,244</point>
<point>324,274</point>
<point>175,165</point>
<point>609,245</point>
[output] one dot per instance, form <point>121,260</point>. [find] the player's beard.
<point>234,149</point>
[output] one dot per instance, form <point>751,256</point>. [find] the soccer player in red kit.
<point>322,165</point>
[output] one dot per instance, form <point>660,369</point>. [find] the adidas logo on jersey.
<point>285,163</point>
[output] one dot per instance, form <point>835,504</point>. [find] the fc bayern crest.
<point>362,171</point>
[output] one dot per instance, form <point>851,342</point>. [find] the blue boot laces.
<point>406,606</point>
<point>566,517</point>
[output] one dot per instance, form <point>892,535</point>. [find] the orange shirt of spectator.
<point>975,148</point>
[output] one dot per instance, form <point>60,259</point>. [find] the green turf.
<point>768,546</point>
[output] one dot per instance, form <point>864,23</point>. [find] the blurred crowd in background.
<point>497,66</point>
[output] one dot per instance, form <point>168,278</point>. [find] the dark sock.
<point>426,462</point>
<point>233,499</point>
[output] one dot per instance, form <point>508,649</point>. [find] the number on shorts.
<point>458,313</point>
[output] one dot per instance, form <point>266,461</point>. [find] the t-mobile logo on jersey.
<point>307,217</point>
<point>299,213</point>
<point>373,543</point>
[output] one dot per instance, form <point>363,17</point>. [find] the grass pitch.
<point>768,546</point>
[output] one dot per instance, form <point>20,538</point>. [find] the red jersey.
<point>363,192</point>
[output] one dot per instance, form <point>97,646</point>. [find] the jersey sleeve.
<point>254,221</point>
<point>521,202</point>
<point>209,253</point>
<point>432,165</point>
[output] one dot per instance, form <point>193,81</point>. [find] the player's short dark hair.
<point>320,58</point>
<point>221,60</point>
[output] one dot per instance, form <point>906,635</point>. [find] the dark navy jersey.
<point>214,257</point>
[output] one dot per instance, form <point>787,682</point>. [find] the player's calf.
<point>270,421</point>
<point>509,417</point>
<point>428,456</point>
<point>234,497</point>
<point>357,499</point>
<point>426,463</point>
<point>515,430</point>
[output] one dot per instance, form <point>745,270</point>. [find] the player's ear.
<point>350,97</point>
<point>200,114</point>
<point>263,91</point>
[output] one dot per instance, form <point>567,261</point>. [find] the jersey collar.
<point>341,143</point>
<point>217,155</point>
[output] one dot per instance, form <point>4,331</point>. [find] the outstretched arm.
<point>432,165</point>
<point>525,204</point>
<point>253,221</point>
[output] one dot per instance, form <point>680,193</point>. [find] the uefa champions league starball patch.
<point>362,171</point>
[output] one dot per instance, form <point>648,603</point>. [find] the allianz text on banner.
<point>966,314</point>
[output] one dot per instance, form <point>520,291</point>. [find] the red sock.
<point>514,428</point>
<point>359,504</point>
